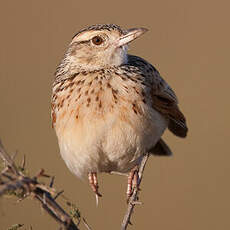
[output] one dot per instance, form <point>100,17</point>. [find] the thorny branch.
<point>12,179</point>
<point>134,198</point>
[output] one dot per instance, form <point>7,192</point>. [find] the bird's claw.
<point>132,182</point>
<point>92,176</point>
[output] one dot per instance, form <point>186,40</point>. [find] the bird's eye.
<point>97,40</point>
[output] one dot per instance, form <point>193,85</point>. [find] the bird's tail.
<point>161,149</point>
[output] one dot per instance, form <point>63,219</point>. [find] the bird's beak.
<point>130,36</point>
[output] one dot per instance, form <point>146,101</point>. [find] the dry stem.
<point>12,179</point>
<point>133,199</point>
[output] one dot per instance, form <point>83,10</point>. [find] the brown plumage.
<point>109,108</point>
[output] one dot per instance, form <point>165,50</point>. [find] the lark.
<point>110,108</point>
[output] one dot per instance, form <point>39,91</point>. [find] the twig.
<point>86,224</point>
<point>8,160</point>
<point>134,197</point>
<point>15,180</point>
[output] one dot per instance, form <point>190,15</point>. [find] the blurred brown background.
<point>188,41</point>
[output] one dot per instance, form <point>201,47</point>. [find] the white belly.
<point>110,143</point>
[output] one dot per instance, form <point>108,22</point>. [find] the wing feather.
<point>163,97</point>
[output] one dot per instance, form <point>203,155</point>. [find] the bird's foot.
<point>132,182</point>
<point>92,176</point>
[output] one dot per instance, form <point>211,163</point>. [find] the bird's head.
<point>101,46</point>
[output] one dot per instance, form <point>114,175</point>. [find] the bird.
<point>110,108</point>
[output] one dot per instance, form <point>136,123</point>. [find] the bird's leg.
<point>92,176</point>
<point>132,181</point>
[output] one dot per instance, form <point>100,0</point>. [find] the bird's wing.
<point>165,102</point>
<point>163,97</point>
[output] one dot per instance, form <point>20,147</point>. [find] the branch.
<point>134,198</point>
<point>12,179</point>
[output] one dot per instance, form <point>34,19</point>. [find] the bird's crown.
<point>99,46</point>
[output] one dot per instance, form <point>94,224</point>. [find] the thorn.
<point>136,203</point>
<point>52,181</point>
<point>86,224</point>
<point>130,222</point>
<point>23,162</point>
<point>58,194</point>
<point>68,203</point>
<point>41,173</point>
<point>45,175</point>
